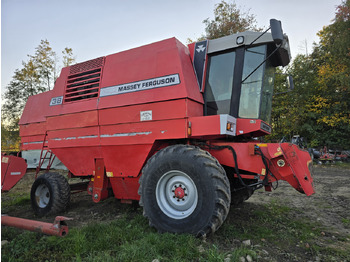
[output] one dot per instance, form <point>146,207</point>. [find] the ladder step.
<point>48,155</point>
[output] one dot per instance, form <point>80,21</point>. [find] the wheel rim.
<point>42,195</point>
<point>176,194</point>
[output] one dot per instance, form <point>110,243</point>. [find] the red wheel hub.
<point>179,192</point>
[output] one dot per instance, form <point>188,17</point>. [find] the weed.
<point>345,221</point>
<point>243,252</point>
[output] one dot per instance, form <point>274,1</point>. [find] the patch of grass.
<point>122,240</point>
<point>16,199</point>
<point>130,238</point>
<point>346,222</point>
<point>332,253</point>
<point>344,165</point>
<point>243,252</point>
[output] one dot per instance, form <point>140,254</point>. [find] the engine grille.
<point>84,66</point>
<point>84,80</point>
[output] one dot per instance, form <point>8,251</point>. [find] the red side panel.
<point>79,106</point>
<point>164,58</point>
<point>246,161</point>
<point>132,114</point>
<point>87,136</point>
<point>142,133</point>
<point>189,75</point>
<point>78,147</point>
<point>252,127</point>
<point>205,126</point>
<point>12,170</point>
<point>79,160</point>
<point>122,161</point>
<point>36,108</point>
<point>34,142</point>
<point>83,119</point>
<point>194,109</point>
<point>125,188</point>
<point>191,50</point>
<point>32,135</point>
<point>32,129</point>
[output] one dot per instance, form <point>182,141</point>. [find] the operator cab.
<point>240,73</point>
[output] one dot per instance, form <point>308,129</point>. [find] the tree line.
<point>319,107</point>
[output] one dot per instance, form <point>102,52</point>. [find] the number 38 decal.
<point>56,101</point>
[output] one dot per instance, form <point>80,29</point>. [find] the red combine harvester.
<point>170,126</point>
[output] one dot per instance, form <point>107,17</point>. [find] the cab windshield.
<point>255,93</point>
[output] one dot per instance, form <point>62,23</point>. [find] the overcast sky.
<point>97,28</point>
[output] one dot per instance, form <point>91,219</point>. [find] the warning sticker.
<point>146,115</point>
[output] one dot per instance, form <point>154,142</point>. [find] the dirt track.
<point>330,206</point>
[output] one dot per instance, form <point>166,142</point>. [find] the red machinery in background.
<point>171,126</point>
<point>13,168</point>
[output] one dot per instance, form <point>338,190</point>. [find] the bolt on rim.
<point>176,194</point>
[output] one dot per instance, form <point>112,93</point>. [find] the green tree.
<point>45,61</point>
<point>228,20</point>
<point>290,115</point>
<point>319,107</point>
<point>25,82</point>
<point>331,102</point>
<point>9,139</point>
<point>68,57</point>
<point>37,75</point>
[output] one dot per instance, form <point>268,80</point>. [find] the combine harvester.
<point>170,126</point>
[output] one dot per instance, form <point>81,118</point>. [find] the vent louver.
<point>84,80</point>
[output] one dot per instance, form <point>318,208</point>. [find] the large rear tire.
<point>50,194</point>
<point>184,189</point>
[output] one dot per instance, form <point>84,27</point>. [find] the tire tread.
<point>217,176</point>
<point>60,195</point>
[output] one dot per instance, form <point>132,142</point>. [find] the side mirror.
<point>276,31</point>
<point>290,83</point>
